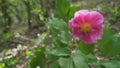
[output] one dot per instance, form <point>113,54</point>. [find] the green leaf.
<point>59,30</point>
<point>111,64</point>
<point>91,58</point>
<point>66,63</point>
<point>39,59</point>
<point>110,45</point>
<point>56,25</point>
<point>62,39</point>
<point>57,41</point>
<point>79,60</point>
<point>62,8</point>
<point>99,66</point>
<point>84,48</point>
<point>72,11</point>
<point>54,65</point>
<point>61,51</point>
<point>65,37</point>
<point>76,60</point>
<point>107,34</point>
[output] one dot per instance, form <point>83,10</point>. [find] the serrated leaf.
<point>59,31</point>
<point>107,34</point>
<point>111,64</point>
<point>54,65</point>
<point>109,44</point>
<point>76,60</point>
<point>84,48</point>
<point>62,39</point>
<point>62,8</point>
<point>61,52</point>
<point>66,62</point>
<point>56,25</point>
<point>79,60</point>
<point>91,58</point>
<point>65,37</point>
<point>111,47</point>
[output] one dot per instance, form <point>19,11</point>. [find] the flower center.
<point>86,27</point>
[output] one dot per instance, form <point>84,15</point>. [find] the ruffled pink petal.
<point>80,16</point>
<point>73,23</point>
<point>94,18</point>
<point>78,19</point>
<point>81,12</point>
<point>76,33</point>
<point>97,32</point>
<point>86,38</point>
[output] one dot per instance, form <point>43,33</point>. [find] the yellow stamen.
<point>86,27</point>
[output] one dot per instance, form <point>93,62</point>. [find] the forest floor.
<point>22,42</point>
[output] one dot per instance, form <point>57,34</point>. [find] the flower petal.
<point>74,23</point>
<point>94,17</point>
<point>81,12</point>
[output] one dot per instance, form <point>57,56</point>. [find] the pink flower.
<point>87,26</point>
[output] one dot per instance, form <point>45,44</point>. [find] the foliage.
<point>65,52</point>
<point>58,49</point>
<point>9,63</point>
